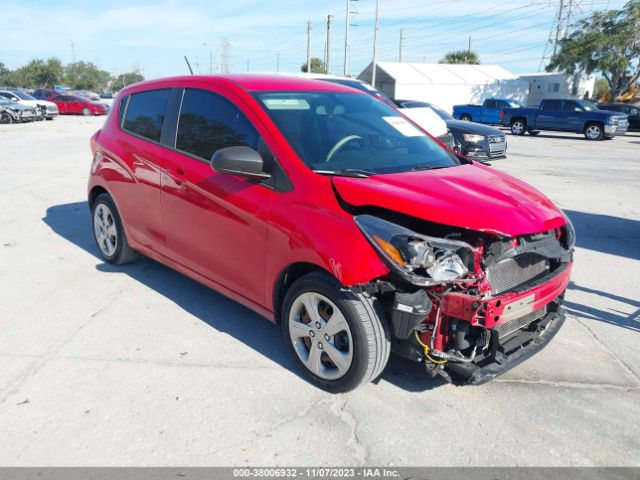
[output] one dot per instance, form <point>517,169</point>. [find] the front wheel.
<point>465,118</point>
<point>339,337</point>
<point>593,131</point>
<point>5,118</point>
<point>108,232</point>
<point>518,127</point>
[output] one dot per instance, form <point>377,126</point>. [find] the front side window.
<point>145,113</point>
<point>343,131</point>
<point>571,107</point>
<point>491,104</point>
<point>586,106</point>
<point>209,122</point>
<point>551,105</point>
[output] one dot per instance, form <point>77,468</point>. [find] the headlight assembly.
<point>473,138</point>
<point>571,232</point>
<point>419,259</point>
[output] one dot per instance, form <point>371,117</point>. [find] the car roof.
<point>256,83</point>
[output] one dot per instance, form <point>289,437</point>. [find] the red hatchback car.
<point>326,210</point>
<point>76,105</point>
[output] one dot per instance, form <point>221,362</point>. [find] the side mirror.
<point>241,161</point>
<point>14,99</point>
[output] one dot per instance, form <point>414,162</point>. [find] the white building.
<point>558,85</point>
<point>446,85</point>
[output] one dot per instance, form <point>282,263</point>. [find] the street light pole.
<point>375,41</point>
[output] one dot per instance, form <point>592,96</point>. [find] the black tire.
<point>593,131</point>
<point>533,132</point>
<point>122,253</point>
<point>518,126</point>
<point>86,112</point>
<point>465,118</point>
<point>369,330</point>
<point>5,118</point>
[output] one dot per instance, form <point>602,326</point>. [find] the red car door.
<point>216,223</point>
<point>73,104</point>
<point>60,102</point>
<point>142,159</point>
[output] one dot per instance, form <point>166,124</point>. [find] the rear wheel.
<point>339,337</point>
<point>518,127</point>
<point>465,118</point>
<point>108,232</point>
<point>86,112</point>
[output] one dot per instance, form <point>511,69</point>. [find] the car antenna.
<point>188,64</point>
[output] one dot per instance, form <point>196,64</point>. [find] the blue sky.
<point>117,35</point>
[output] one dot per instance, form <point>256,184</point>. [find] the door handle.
<point>177,175</point>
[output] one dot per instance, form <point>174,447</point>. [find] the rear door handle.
<point>178,176</point>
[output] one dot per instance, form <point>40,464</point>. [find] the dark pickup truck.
<point>578,116</point>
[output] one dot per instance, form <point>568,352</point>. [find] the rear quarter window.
<point>145,113</point>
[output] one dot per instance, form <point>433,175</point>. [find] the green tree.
<point>86,76</point>
<point>125,79</point>
<point>468,57</point>
<point>317,66</point>
<point>6,76</point>
<point>606,42</point>
<point>38,73</point>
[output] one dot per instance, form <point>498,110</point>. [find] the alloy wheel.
<point>105,231</point>
<point>321,336</point>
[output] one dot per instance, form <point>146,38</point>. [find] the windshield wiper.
<point>347,172</point>
<point>428,167</point>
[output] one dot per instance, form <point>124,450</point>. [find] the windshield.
<point>22,95</point>
<point>441,113</point>
<point>334,132</point>
<point>587,106</point>
<point>363,87</point>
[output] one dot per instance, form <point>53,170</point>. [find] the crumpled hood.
<point>469,196</point>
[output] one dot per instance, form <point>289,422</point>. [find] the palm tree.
<point>468,57</point>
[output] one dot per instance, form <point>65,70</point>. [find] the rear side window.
<point>551,105</point>
<point>145,113</point>
<point>209,122</point>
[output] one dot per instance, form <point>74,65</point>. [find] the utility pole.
<point>558,28</point>
<point>400,45</point>
<point>73,52</point>
<point>326,63</point>
<point>308,46</point>
<point>469,49</point>
<point>375,41</point>
<point>224,55</point>
<point>346,40</point>
<point>278,62</point>
<point>248,64</point>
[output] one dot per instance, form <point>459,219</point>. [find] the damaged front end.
<point>468,305</point>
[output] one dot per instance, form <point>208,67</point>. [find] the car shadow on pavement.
<point>72,221</point>
<point>607,234</point>
<point>610,316</point>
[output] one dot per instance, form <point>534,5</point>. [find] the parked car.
<point>45,93</point>
<point>632,111</point>
<point>424,118</point>
<point>489,112</point>
<point>44,108</point>
<point>73,104</point>
<point>470,138</point>
<point>13,112</point>
<point>578,116</point>
<point>94,97</point>
<point>326,210</point>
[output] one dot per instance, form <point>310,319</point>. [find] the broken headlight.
<point>419,259</point>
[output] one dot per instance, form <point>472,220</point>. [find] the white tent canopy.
<point>446,85</point>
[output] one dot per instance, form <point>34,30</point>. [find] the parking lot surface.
<point>139,365</point>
